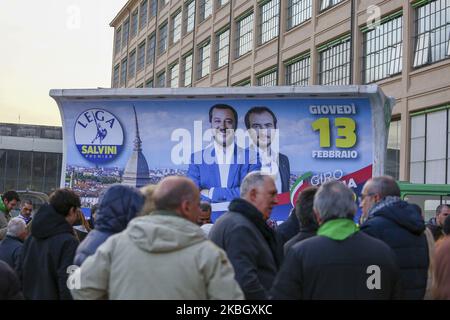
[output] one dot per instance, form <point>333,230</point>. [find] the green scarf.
<point>3,207</point>
<point>338,229</point>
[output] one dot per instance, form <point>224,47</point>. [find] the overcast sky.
<point>52,44</point>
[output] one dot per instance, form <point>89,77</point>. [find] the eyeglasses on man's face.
<point>363,196</point>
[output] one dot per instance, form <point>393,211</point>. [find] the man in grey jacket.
<point>164,255</point>
<point>251,245</point>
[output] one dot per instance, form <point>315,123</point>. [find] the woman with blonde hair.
<point>149,204</point>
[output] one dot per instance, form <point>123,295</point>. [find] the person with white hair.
<point>340,262</point>
<point>11,246</point>
<point>251,245</point>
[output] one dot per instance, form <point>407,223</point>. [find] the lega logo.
<point>98,135</point>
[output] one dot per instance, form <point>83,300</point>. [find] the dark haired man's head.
<point>66,203</point>
<point>304,208</point>
<point>10,199</point>
<point>223,119</point>
<point>257,111</point>
<point>260,121</point>
<point>442,212</point>
<point>375,190</point>
<point>205,213</point>
<point>178,194</point>
<point>27,208</point>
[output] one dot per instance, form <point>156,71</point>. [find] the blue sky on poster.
<point>157,121</point>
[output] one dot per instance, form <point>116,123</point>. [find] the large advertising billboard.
<point>217,136</point>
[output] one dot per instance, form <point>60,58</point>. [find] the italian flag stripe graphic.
<point>297,185</point>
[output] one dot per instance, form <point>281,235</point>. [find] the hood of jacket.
<point>405,215</point>
<point>47,223</point>
<point>163,231</point>
<point>117,206</point>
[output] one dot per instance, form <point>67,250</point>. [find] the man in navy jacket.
<point>401,226</point>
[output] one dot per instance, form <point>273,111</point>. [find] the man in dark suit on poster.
<point>261,123</point>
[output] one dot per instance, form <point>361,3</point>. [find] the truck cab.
<point>426,196</point>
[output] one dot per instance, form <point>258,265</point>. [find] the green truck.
<point>427,196</point>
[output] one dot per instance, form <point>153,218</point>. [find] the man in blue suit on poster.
<point>219,169</point>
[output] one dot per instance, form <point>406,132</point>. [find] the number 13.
<point>346,128</point>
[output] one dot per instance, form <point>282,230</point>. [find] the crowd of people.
<point>159,242</point>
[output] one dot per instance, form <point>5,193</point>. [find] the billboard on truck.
<point>300,136</point>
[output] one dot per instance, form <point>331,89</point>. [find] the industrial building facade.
<point>401,45</point>
<point>30,157</point>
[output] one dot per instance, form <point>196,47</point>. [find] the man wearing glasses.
<point>26,211</point>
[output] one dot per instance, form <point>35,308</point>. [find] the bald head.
<point>172,191</point>
<point>178,194</point>
<point>383,186</point>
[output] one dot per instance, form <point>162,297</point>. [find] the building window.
<point>149,83</point>
<point>205,9</point>
<point>5,131</point>
<point>383,50</point>
<point>243,83</point>
<point>27,132</point>
<point>244,39</point>
<point>153,7</point>
<point>325,4</point>
<point>189,18</point>
<point>141,56</point>
<point>269,20</point>
<point>298,12</point>
<point>134,23</point>
<point>203,59</point>
<point>123,73</point>
<point>433,32</point>
<point>132,64</point>
<point>162,39</point>
<point>429,161</point>
<point>151,47</point>
<point>267,79</point>
<point>52,134</point>
<point>221,3</point>
<point>334,60</point>
<point>125,32</point>
<point>143,14</point>
<point>116,76</point>
<point>176,26</point>
<point>222,45</point>
<point>298,71</point>
<point>187,72</point>
<point>393,150</point>
<point>173,74</point>
<point>161,80</point>
<point>163,3</point>
<point>38,171</point>
<point>117,41</point>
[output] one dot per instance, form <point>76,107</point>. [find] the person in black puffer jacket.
<point>48,253</point>
<point>117,206</point>
<point>401,226</point>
